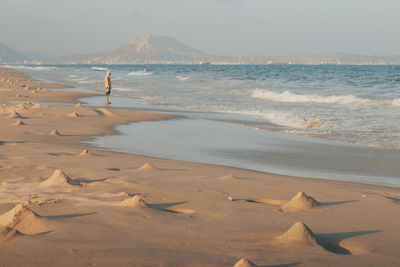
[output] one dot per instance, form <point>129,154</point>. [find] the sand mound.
<point>54,133</point>
<point>300,202</point>
<point>14,114</point>
<point>21,106</point>
<point>7,233</point>
<point>136,201</point>
<point>147,167</point>
<point>73,115</point>
<point>22,219</point>
<point>36,106</point>
<point>244,263</point>
<point>299,232</point>
<point>226,177</point>
<point>60,178</point>
<point>84,152</point>
<point>79,105</point>
<point>18,123</point>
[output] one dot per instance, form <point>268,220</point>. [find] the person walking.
<point>107,83</point>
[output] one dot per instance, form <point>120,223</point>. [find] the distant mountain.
<point>153,49</point>
<point>40,57</point>
<point>306,59</point>
<point>150,49</point>
<point>9,55</point>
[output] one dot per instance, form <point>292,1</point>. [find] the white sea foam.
<point>140,73</point>
<point>37,68</point>
<point>78,78</point>
<point>289,97</point>
<point>395,102</point>
<point>98,68</point>
<point>81,79</point>
<point>282,118</point>
<point>125,89</point>
<point>182,78</point>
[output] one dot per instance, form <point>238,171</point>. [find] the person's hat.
<point>108,73</point>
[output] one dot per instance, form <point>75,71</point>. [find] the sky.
<point>63,27</point>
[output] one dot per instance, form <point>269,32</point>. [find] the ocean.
<point>325,112</point>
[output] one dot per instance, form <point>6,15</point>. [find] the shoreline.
<point>196,214</point>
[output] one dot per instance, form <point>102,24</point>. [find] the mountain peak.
<point>161,44</point>
<point>8,54</point>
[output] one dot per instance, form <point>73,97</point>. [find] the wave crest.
<point>38,68</point>
<point>140,73</point>
<point>282,119</point>
<point>289,97</point>
<point>98,68</point>
<point>182,78</point>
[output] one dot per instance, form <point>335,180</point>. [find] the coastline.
<point>206,228</point>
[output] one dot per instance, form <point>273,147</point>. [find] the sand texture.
<point>299,232</point>
<point>147,167</point>
<point>244,263</point>
<point>65,203</point>
<point>300,202</point>
<point>135,202</point>
<point>60,178</point>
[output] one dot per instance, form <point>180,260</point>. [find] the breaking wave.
<point>125,89</point>
<point>282,119</point>
<point>182,78</point>
<point>140,73</point>
<point>289,97</point>
<point>37,68</point>
<point>99,68</point>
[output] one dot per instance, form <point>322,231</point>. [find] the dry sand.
<point>190,214</point>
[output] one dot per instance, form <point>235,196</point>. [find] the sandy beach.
<point>65,203</point>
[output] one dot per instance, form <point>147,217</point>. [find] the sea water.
<point>357,106</point>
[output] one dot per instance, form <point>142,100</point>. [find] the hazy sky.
<point>63,27</point>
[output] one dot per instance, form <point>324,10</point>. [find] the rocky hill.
<point>8,54</point>
<point>146,49</point>
<point>153,49</point>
